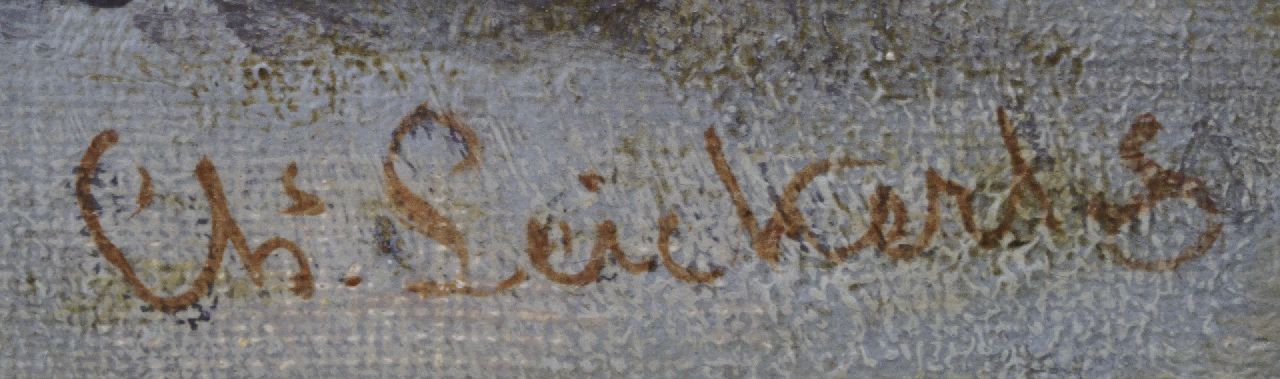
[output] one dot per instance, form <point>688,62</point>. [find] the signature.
<point>887,232</point>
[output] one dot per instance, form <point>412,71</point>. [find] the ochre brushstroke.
<point>763,240</point>
<point>789,221</point>
<point>786,219</point>
<point>936,186</point>
<point>304,204</point>
<point>796,227</point>
<point>666,226</point>
<point>607,234</point>
<point>429,288</point>
<point>881,203</point>
<point>540,251</point>
<point>423,113</point>
<point>566,238</point>
<point>791,216</point>
<point>470,159</point>
<point>425,219</point>
<point>1161,184</point>
<point>540,254</point>
<point>222,229</point>
<point>591,181</point>
<point>145,193</point>
<point>1024,180</point>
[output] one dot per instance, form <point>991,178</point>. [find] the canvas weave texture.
<point>612,188</point>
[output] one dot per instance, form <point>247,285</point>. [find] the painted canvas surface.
<point>613,188</point>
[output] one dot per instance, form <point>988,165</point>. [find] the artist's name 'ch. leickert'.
<point>887,231</point>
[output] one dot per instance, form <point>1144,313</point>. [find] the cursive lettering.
<point>886,232</point>
<point>222,229</point>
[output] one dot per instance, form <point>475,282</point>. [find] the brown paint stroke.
<point>881,201</point>
<point>886,199</point>
<point>763,240</point>
<point>145,193</point>
<point>789,220</point>
<point>540,251</point>
<point>540,254</point>
<point>591,181</point>
<point>667,225</point>
<point>423,113</point>
<point>304,204</point>
<point>1024,181</point>
<point>793,219</point>
<point>566,238</point>
<point>936,186</point>
<point>425,219</point>
<point>1161,184</point>
<point>222,226</point>
<point>607,233</point>
<point>786,219</point>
